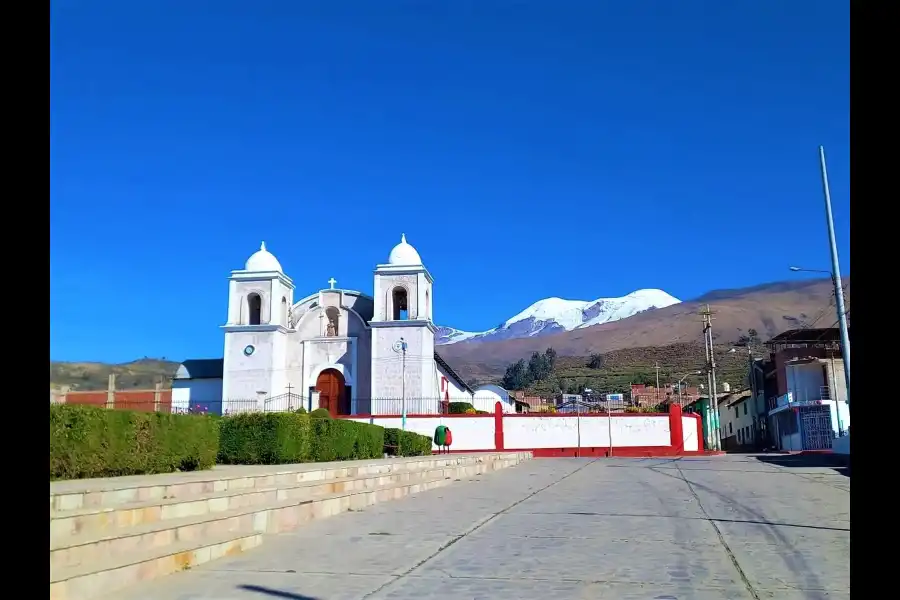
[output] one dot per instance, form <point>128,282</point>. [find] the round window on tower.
<point>249,350</point>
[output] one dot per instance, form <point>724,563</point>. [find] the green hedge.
<point>406,443</point>
<point>459,408</point>
<point>90,441</point>
<point>280,438</point>
<point>264,438</point>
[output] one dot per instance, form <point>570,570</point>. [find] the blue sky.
<point>527,149</point>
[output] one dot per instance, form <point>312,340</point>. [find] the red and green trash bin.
<point>443,437</point>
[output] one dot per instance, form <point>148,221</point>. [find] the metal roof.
<point>456,377</point>
<point>807,336</point>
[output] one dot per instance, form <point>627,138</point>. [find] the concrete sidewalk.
<point>700,528</point>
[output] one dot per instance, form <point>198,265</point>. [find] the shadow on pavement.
<point>840,463</point>
<point>274,593</point>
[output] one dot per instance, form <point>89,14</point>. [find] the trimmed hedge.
<point>280,438</point>
<point>406,443</point>
<point>256,438</point>
<point>91,441</point>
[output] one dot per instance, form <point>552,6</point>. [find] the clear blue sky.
<point>527,149</point>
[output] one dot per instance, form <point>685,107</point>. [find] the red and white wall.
<point>626,434</point>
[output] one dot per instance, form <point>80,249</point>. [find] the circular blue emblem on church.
<point>249,350</point>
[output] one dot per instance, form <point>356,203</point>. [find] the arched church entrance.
<point>333,392</point>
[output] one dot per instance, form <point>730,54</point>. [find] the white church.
<point>337,349</point>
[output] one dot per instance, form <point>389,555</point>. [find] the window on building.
<point>737,412</point>
<point>284,312</point>
<point>730,430</point>
<point>254,303</point>
<point>400,304</point>
<point>745,408</point>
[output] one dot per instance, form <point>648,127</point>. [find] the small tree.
<point>595,362</point>
<point>517,376</point>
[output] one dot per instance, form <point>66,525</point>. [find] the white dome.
<point>263,260</point>
<point>404,254</point>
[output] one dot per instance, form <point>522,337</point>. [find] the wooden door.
<point>330,385</point>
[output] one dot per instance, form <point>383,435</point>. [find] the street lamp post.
<point>835,273</point>
<point>680,381</point>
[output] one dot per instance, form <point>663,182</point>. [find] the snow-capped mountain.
<point>553,315</point>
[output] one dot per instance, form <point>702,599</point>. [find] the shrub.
<point>300,411</point>
<point>280,438</point>
<point>471,411</point>
<point>339,439</point>
<point>320,413</point>
<point>91,441</point>
<point>406,443</point>
<point>459,408</point>
<point>264,439</point>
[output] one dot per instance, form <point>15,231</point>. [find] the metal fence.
<point>293,403</point>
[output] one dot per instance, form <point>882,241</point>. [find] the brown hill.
<point>139,374</point>
<point>769,309</point>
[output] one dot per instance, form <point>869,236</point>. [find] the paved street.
<point>703,528</point>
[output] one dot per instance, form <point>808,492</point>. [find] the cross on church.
<point>331,282</point>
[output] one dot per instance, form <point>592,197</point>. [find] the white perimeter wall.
<point>469,433</point>
<point>689,431</point>
<point>570,432</point>
<point>527,431</point>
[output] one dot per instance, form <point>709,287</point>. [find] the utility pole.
<point>711,363</point>
<point>657,384</point>
<point>836,276</point>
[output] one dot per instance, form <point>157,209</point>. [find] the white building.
<point>339,349</point>
<point>487,396</point>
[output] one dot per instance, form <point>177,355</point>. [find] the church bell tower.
<point>402,330</point>
<point>259,297</point>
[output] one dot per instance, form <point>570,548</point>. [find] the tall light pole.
<point>836,274</point>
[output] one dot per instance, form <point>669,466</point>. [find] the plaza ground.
<point>704,528</point>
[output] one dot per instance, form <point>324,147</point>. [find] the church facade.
<point>339,349</point>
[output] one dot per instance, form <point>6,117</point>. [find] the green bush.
<point>90,441</point>
<point>339,439</point>
<point>300,411</point>
<point>406,443</point>
<point>320,413</point>
<point>280,438</point>
<point>264,439</point>
<point>459,408</point>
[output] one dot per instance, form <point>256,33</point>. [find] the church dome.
<point>404,254</point>
<point>263,260</point>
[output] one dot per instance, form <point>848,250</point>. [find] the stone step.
<point>111,492</point>
<point>117,571</point>
<point>87,521</point>
<point>273,517</point>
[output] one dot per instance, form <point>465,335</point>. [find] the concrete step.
<point>272,517</point>
<point>115,572</point>
<point>110,492</point>
<point>92,557</point>
<point>87,521</point>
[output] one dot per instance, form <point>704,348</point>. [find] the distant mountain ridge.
<point>555,315</point>
<point>769,309</point>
